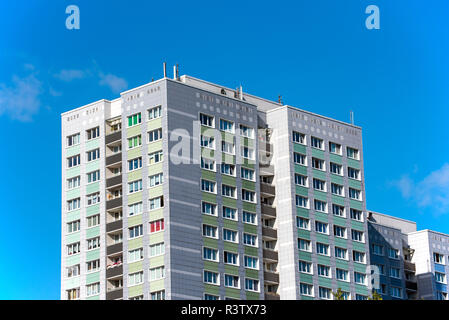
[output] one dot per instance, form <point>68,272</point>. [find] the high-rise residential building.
<point>184,189</point>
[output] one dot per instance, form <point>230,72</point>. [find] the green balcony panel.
<point>92,187</point>
<point>232,293</point>
<point>73,215</point>
<point>155,146</point>
<point>93,232</point>
<point>211,289</point>
<point>228,158</point>
<point>229,246</point>
<point>228,202</point>
<point>136,290</point>
<point>363,290</point>
<point>207,153</point>
<point>92,166</point>
<point>357,225</point>
<point>155,168</point>
<point>135,197</point>
<point>251,251</point>
<point>156,214</point>
<point>72,260</point>
<point>318,153</point>
<point>321,216</point>
<point>335,158</point>
<point>319,174</point>
<point>210,243</point>
<point>304,234</point>
<point>248,185</point>
<point>93,254</point>
<point>250,207</point>
<point>248,165</point>
<point>157,285</point>
<point>356,184</point>
<point>71,283</point>
<point>157,237</point>
<point>305,256</point>
<point>338,200</point>
<point>231,270</point>
<point>135,267</point>
<point>341,264</point>
<point>93,277</point>
<point>306,278</point>
<point>211,220</point>
<point>228,137</point>
<point>343,285</point>
<point>134,153</point>
<point>135,243</point>
<point>134,131</point>
<point>93,210</point>
<point>325,282</point>
<point>339,221</point>
<point>342,243</point>
<point>157,261</point>
<point>92,144</point>
<point>353,163</point>
<point>356,204</point>
<point>208,175</point>
<point>96,297</point>
<point>359,267</point>
<point>135,220</point>
<point>325,260</point>
<point>252,295</point>
<point>135,175</point>
<point>302,191</point>
<point>322,238</point>
<point>337,179</point>
<point>302,212</point>
<point>230,181</point>
<point>74,193</point>
<point>358,246</point>
<point>73,172</point>
<point>300,169</point>
<point>300,148</point>
<point>155,191</point>
<point>73,237</point>
<point>72,151</point>
<point>250,228</point>
<point>154,124</point>
<point>211,266</point>
<point>253,274</point>
<point>320,195</point>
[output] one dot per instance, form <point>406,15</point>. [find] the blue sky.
<point>317,54</point>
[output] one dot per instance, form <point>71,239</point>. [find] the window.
<point>335,168</point>
<point>246,131</point>
<point>73,182</point>
<point>93,220</point>
<point>230,235</point>
<point>249,217</point>
<point>250,240</point>
<point>318,164</point>
<point>302,223</point>
<point>358,256</point>
<point>93,289</point>
<point>228,169</point>
<point>377,249</point>
<point>135,186</point>
<point>135,231</point>
<point>73,204</point>
<point>227,191</point>
<point>320,205</point>
<point>155,157</point>
<point>93,176</point>
<point>251,285</point>
<point>93,265</point>
<point>134,209</point>
<point>304,245</point>
<point>134,142</point>
<point>209,208</point>
<point>381,268</point>
<point>395,273</point>
<point>229,213</point>
<point>93,243</point>
<point>247,153</point>
<point>230,258</point>
<point>231,281</point>
<point>155,180</point>
<point>352,153</point>
<point>360,297</point>
<point>338,210</point>
<point>73,294</point>
<point>302,202</point>
<point>207,142</point>
<point>299,137</point>
<point>73,226</point>
<point>357,236</point>
<point>210,254</point>
<point>324,293</point>
<point>335,148</point>
<point>135,278</point>
<point>322,249</point>
<point>73,248</point>
<point>353,173</point>
<point>156,226</point>
<point>154,113</point>
<point>157,249</point>
<point>155,135</point>
<point>301,180</point>
<point>319,184</point>
<point>247,174</point>
<point>72,140</point>
<point>341,253</point>
<point>396,292</point>
<point>339,232</point>
<point>356,214</point>
<point>211,297</point>
<point>321,227</point>
<point>93,198</point>
<point>210,231</point>
<point>354,194</point>
<point>341,275</point>
<point>208,186</point>
<point>73,271</point>
<point>135,119</point>
<point>317,143</point>
<point>299,158</point>
<point>323,271</point>
<point>226,125</point>
<point>135,164</point>
<point>337,189</point>
<point>93,133</point>
<point>438,258</point>
<point>73,161</point>
<point>157,295</point>
<point>305,267</point>
<point>359,278</point>
<point>251,262</point>
<point>210,277</point>
<point>135,255</point>
<point>393,253</point>
<point>207,164</point>
<point>306,289</point>
<point>249,196</point>
<point>206,120</point>
<point>157,273</point>
<point>227,147</point>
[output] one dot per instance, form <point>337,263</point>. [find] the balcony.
<point>114,203</point>
<point>268,211</point>
<point>114,158</point>
<point>408,266</point>
<point>270,255</point>
<point>267,189</point>
<point>114,181</point>
<point>266,169</point>
<point>116,136</point>
<point>114,294</point>
<point>115,225</point>
<point>115,248</point>
<point>411,285</point>
<point>269,233</point>
<point>114,272</point>
<point>271,296</point>
<point>271,277</point>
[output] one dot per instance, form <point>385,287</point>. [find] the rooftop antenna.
<point>241,92</point>
<point>280,99</point>
<point>351,116</point>
<point>165,69</point>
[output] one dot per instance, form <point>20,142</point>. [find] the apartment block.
<point>184,189</point>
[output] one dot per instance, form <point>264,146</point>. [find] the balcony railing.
<point>114,272</point>
<point>116,136</point>
<point>271,277</point>
<point>271,296</point>
<point>267,189</point>
<point>114,294</point>
<point>268,210</point>
<point>114,181</point>
<point>114,158</point>
<point>269,233</point>
<point>114,203</point>
<point>115,248</point>
<point>115,225</point>
<point>270,255</point>
<point>408,266</point>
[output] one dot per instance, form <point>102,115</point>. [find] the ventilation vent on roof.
<point>223,91</point>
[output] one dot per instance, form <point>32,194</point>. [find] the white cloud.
<point>116,84</point>
<point>68,75</point>
<point>431,192</point>
<point>21,100</point>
